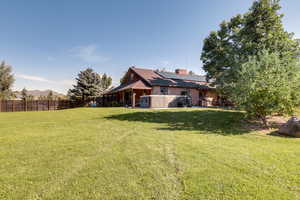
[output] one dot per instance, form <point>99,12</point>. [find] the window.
<point>184,93</point>
<point>201,95</point>
<point>164,90</point>
<point>131,77</point>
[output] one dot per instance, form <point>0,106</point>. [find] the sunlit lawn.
<point>118,153</point>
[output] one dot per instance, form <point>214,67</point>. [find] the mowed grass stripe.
<point>102,147</point>
<point>117,153</point>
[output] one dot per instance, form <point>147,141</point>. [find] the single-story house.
<point>139,82</point>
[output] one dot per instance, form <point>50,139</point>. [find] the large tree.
<point>225,50</point>
<point>50,95</point>
<point>24,94</point>
<point>89,84</point>
<point>105,82</point>
<point>6,81</point>
<point>267,84</point>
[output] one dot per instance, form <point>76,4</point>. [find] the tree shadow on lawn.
<point>205,121</point>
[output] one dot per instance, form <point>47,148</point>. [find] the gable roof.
<point>150,78</point>
<point>135,85</point>
<point>169,79</point>
<point>147,75</point>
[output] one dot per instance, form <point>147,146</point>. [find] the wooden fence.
<point>35,105</point>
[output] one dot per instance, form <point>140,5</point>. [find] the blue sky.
<point>49,42</point>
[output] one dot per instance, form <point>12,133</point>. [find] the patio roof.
<point>138,85</point>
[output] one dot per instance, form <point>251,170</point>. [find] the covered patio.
<point>126,95</point>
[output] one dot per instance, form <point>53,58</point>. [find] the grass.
<point>117,153</point>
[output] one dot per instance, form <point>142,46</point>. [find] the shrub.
<point>266,85</point>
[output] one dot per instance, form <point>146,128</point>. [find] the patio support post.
<point>133,99</point>
<point>123,98</point>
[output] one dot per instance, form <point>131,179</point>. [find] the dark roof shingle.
<point>165,79</point>
<point>171,79</point>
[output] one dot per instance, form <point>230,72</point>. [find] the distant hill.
<point>38,93</point>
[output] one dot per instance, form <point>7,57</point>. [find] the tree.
<point>6,81</point>
<point>105,82</point>
<point>267,84</point>
<point>41,97</point>
<point>225,50</point>
<point>30,97</point>
<point>192,73</point>
<point>89,85</point>
<point>24,94</point>
<point>123,78</point>
<point>50,95</point>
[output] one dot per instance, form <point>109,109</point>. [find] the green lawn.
<point>118,153</point>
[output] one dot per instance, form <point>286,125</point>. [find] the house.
<point>139,82</point>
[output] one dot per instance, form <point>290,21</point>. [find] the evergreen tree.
<point>6,81</point>
<point>89,85</point>
<point>192,73</point>
<point>41,97</point>
<point>30,97</point>
<point>105,82</point>
<point>123,78</point>
<point>24,94</point>
<point>50,96</point>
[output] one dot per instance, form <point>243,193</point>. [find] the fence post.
<point>13,105</point>
<point>25,102</point>
<point>0,105</point>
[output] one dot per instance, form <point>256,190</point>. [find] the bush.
<point>266,84</point>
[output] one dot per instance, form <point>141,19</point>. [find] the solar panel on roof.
<point>171,75</point>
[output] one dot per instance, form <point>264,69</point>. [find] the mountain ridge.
<point>38,93</point>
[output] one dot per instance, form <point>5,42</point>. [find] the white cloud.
<point>44,80</point>
<point>88,54</point>
<point>33,78</point>
<point>33,82</point>
<point>67,82</point>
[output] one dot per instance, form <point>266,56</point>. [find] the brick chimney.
<point>181,71</point>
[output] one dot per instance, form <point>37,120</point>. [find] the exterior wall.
<point>195,97</point>
<point>139,93</point>
<point>156,90</point>
<point>163,101</point>
<point>177,91</point>
<point>194,93</point>
<point>130,77</point>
